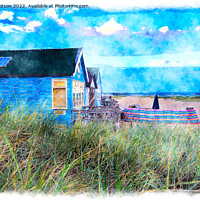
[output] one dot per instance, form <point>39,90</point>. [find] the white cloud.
<point>61,21</point>
<point>164,63</point>
<point>6,29</point>
<point>176,63</point>
<point>164,29</point>
<point>144,30</point>
<point>197,28</point>
<point>72,10</point>
<point>110,27</point>
<point>6,15</point>
<point>30,27</point>
<point>51,13</point>
<point>193,62</point>
<point>10,28</point>
<point>88,28</point>
<point>157,62</point>
<point>21,18</point>
<point>18,28</point>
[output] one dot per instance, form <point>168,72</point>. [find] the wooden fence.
<point>99,113</point>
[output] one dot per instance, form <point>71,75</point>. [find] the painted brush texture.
<point>161,116</point>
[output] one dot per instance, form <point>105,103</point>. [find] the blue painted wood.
<point>34,92</point>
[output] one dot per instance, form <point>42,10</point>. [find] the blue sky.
<point>116,38</point>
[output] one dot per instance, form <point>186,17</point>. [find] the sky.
<point>163,34</point>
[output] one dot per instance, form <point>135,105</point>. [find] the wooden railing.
<point>99,113</point>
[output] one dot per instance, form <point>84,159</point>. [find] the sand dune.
<point>147,102</point>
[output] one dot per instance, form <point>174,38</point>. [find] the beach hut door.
<point>92,97</point>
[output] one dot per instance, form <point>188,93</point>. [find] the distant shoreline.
<point>151,94</point>
<point>176,97</point>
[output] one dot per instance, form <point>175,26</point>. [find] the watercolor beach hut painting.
<point>76,97</point>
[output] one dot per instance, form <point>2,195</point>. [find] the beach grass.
<point>38,155</point>
<point>184,98</point>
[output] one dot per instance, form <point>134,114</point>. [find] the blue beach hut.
<point>93,87</point>
<point>56,77</point>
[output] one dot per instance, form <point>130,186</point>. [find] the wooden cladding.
<point>59,93</point>
<point>78,93</point>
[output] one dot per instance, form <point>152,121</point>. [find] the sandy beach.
<point>147,102</point>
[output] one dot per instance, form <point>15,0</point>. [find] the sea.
<point>161,94</point>
<point>148,81</point>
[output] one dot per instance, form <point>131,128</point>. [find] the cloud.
<point>157,62</point>
<point>30,27</point>
<point>6,29</point>
<point>87,31</point>
<point>6,15</point>
<point>197,28</point>
<point>72,10</point>
<point>51,13</point>
<point>164,29</point>
<point>61,21</point>
<point>144,31</point>
<point>10,28</point>
<point>193,62</point>
<point>21,18</point>
<point>110,27</point>
<point>88,28</point>
<point>18,28</point>
<point>165,63</point>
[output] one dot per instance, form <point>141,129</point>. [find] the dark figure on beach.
<point>155,103</point>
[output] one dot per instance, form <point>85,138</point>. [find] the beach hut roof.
<point>41,62</point>
<point>94,72</point>
<point>90,78</point>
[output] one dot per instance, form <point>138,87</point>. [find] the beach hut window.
<point>78,93</point>
<point>82,99</point>
<point>4,61</point>
<point>76,99</point>
<point>79,98</point>
<point>59,94</point>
